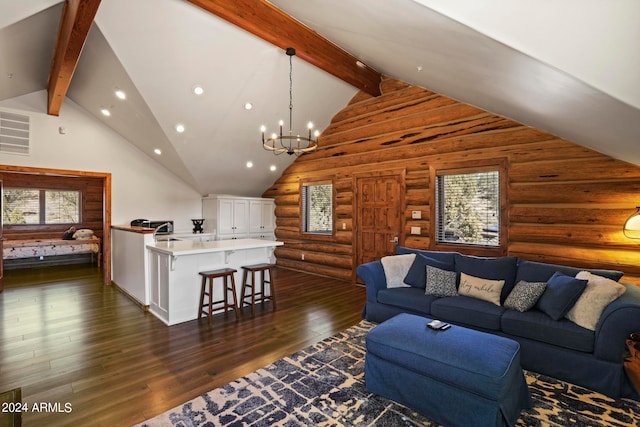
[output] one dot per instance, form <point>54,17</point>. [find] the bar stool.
<point>262,296</point>
<point>225,273</point>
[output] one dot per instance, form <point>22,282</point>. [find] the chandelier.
<point>290,143</point>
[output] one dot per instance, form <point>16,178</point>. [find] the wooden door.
<point>379,215</point>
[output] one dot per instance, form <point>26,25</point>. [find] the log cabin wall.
<point>566,204</point>
<point>91,209</point>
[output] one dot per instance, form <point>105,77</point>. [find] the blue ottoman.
<point>457,377</point>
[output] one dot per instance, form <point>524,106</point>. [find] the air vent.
<point>14,133</point>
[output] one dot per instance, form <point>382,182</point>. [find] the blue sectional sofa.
<point>551,344</point>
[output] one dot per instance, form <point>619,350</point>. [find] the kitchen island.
<point>173,267</point>
<point>130,260</point>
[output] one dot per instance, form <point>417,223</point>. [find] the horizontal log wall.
<point>92,211</point>
<point>566,203</point>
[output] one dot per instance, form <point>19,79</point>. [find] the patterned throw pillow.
<point>525,295</point>
<point>477,287</point>
<point>440,283</point>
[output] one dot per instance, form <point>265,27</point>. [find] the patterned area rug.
<point>323,385</point>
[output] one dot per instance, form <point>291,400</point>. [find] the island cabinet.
<point>174,266</point>
<point>233,217</point>
<point>129,261</point>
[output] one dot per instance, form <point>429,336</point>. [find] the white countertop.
<point>193,247</point>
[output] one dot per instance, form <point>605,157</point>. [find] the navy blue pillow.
<point>442,256</point>
<point>533,271</point>
<point>501,268</point>
<point>561,294</point>
<point>417,274</point>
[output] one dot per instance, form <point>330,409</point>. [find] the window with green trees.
<point>468,208</point>
<point>37,206</point>
<point>317,208</point>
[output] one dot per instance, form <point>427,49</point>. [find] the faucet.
<point>155,231</point>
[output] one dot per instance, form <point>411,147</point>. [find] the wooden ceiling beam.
<point>273,25</point>
<point>76,21</point>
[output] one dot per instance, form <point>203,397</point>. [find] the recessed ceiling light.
<point>179,128</point>
<point>273,168</point>
<point>249,164</point>
<point>248,106</point>
<point>157,151</point>
<point>198,90</point>
<point>121,95</point>
<point>105,112</point>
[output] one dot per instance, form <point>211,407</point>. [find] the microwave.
<point>166,227</point>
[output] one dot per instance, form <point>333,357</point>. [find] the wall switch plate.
<point>415,230</point>
<point>416,215</point>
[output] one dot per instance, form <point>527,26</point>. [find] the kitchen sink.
<point>167,239</point>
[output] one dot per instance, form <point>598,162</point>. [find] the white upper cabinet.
<point>234,217</point>
<point>261,216</point>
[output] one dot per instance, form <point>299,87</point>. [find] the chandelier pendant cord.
<point>290,97</point>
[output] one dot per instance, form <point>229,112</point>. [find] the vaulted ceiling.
<point>570,67</point>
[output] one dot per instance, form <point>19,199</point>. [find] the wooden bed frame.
<point>32,248</point>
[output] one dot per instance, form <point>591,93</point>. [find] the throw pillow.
<point>440,283</point>
<point>599,293</point>
<point>396,268</point>
<point>561,294</point>
<point>525,295</point>
<point>477,287</point>
<point>533,271</point>
<point>83,234</point>
<point>501,268</point>
<point>416,276</point>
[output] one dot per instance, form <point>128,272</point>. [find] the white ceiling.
<point>568,67</point>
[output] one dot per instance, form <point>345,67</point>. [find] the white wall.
<point>141,187</point>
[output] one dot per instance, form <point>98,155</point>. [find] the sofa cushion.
<point>532,271</point>
<point>524,295</point>
<point>416,276</point>
<point>502,268</point>
<point>561,294</point>
<point>447,257</point>
<point>441,283</point>
<point>536,325</point>
<point>396,268</point>
<point>477,287</point>
<point>468,311</point>
<point>408,298</point>
<point>598,294</point>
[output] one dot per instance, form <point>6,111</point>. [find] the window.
<point>317,208</point>
<point>31,206</point>
<point>468,208</point>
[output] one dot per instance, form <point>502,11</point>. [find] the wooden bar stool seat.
<point>255,296</point>
<point>208,307</point>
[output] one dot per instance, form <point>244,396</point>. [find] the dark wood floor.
<point>66,338</point>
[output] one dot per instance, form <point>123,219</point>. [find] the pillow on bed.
<point>83,234</point>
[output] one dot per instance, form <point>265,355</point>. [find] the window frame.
<point>317,235</point>
<point>470,167</point>
<point>42,213</point>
